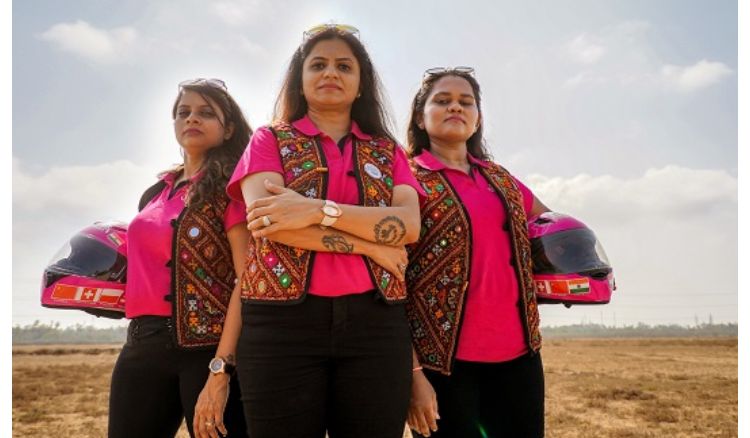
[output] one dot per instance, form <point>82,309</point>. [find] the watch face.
<point>216,365</point>
<point>330,211</point>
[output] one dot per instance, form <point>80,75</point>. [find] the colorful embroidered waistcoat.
<point>279,273</point>
<point>202,271</point>
<point>440,266</point>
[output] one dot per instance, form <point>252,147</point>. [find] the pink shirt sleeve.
<point>402,174</point>
<point>528,196</point>
<point>234,214</point>
<point>261,155</point>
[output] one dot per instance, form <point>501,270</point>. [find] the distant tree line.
<point>40,333</point>
<point>640,330</point>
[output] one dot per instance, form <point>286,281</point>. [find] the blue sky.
<point>622,113</point>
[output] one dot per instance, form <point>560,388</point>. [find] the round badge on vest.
<point>373,171</point>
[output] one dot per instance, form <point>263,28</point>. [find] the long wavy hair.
<point>368,110</point>
<point>220,161</point>
<point>417,138</point>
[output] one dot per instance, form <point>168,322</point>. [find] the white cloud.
<point>695,77</point>
<point>91,43</point>
<point>671,192</point>
<point>236,13</point>
<point>585,49</point>
<point>109,188</point>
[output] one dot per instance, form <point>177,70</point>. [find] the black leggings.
<point>341,365</point>
<point>155,385</point>
<point>491,400</point>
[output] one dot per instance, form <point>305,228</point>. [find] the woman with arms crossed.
<point>185,250</point>
<point>324,343</point>
<point>472,306</point>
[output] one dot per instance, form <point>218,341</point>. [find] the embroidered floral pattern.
<point>204,279</point>
<point>374,166</point>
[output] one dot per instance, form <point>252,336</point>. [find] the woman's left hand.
<point>209,409</point>
<point>285,210</point>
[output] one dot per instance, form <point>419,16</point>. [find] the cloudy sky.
<point>621,113</point>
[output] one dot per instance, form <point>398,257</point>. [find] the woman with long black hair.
<point>324,342</point>
<point>185,251</point>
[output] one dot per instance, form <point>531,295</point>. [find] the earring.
<point>358,95</point>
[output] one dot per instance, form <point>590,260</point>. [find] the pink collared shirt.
<point>491,330</point>
<point>333,274</point>
<point>150,236</point>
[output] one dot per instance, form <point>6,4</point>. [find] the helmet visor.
<point>87,257</point>
<point>568,252</point>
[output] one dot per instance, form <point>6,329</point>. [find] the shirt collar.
<point>429,162</point>
<point>307,127</point>
<point>169,177</point>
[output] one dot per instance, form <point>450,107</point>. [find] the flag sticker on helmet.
<point>65,292</point>
<point>579,287</point>
<point>541,286</point>
<point>88,294</point>
<point>114,238</point>
<point>559,287</point>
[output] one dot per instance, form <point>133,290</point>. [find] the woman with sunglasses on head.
<point>472,307</point>
<point>185,250</point>
<point>324,343</point>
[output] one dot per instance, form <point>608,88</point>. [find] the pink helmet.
<point>570,266</point>
<point>88,273</point>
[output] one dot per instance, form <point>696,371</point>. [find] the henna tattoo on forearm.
<point>337,243</point>
<point>390,231</point>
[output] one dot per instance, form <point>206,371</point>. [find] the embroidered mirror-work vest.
<point>277,273</point>
<point>440,266</point>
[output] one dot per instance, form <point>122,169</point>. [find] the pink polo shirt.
<point>150,236</point>
<point>333,274</point>
<point>491,330</point>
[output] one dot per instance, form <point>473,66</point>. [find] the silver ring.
<point>209,423</point>
<point>266,221</point>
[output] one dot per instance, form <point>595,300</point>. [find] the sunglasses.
<point>215,83</point>
<point>447,70</point>
<point>344,29</point>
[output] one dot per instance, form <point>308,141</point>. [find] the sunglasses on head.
<point>343,29</point>
<point>215,83</point>
<point>447,70</point>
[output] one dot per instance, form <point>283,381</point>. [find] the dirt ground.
<point>623,388</point>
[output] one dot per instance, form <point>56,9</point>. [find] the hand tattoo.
<point>390,231</point>
<point>337,243</point>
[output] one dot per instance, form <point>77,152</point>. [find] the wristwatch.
<point>218,366</point>
<point>331,212</point>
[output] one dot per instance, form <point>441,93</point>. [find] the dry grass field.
<point>623,388</point>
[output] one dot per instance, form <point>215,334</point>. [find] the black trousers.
<point>155,385</point>
<point>491,400</point>
<point>341,365</point>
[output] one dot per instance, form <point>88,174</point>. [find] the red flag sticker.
<point>541,287</point>
<point>89,294</point>
<point>111,296</point>
<point>64,292</point>
<point>559,287</point>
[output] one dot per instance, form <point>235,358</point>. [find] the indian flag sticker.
<point>578,287</point>
<point>115,239</point>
